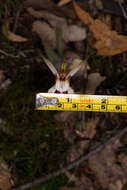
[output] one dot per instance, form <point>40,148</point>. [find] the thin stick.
<point>7,54</point>
<point>73,164</point>
<point>122,9</point>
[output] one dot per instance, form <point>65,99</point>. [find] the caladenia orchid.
<point>62,84</point>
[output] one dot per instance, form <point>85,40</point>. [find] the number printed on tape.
<point>80,102</point>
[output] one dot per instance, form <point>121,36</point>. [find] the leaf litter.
<point>10,35</point>
<point>108,42</point>
<point>63,2</point>
<point>45,23</point>
<point>5,176</point>
<point>70,32</point>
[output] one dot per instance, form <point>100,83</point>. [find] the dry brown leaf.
<point>53,20</point>
<point>5,176</point>
<point>83,15</point>
<point>10,35</point>
<point>69,32</point>
<point>108,172</point>
<point>45,32</point>
<point>94,80</point>
<point>51,6</point>
<point>84,183</point>
<point>108,20</point>
<point>75,63</point>
<point>63,2</point>
<point>76,33</point>
<point>50,17</point>
<point>91,130</point>
<point>99,4</point>
<point>108,42</point>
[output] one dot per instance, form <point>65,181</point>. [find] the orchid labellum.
<point>62,84</point>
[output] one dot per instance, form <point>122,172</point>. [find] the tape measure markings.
<point>76,102</point>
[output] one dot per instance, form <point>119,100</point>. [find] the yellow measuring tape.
<point>80,102</point>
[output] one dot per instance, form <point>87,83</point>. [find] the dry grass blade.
<point>108,42</point>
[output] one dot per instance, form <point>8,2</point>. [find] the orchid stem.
<point>83,122</point>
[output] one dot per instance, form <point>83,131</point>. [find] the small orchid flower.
<point>62,84</point>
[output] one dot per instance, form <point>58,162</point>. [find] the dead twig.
<point>122,9</point>
<point>73,164</point>
<point>7,54</point>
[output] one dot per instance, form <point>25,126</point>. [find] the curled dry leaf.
<point>94,80</point>
<point>54,22</point>
<point>10,35</point>
<point>77,67</point>
<point>108,42</point>
<point>69,32</point>
<point>45,32</point>
<point>76,33</point>
<point>76,62</point>
<point>104,166</point>
<point>90,132</point>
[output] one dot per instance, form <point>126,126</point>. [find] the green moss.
<point>36,142</point>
